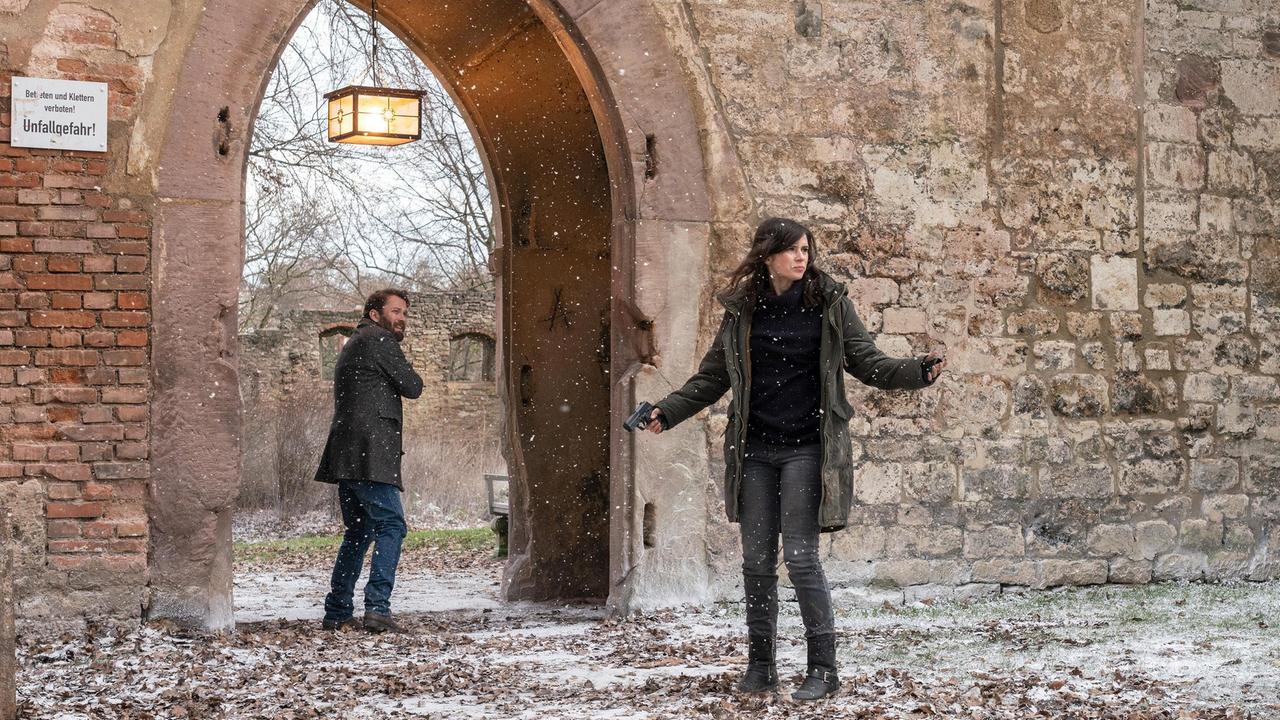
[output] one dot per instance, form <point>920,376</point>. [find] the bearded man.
<point>362,456</point>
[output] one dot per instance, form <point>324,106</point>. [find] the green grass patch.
<point>312,545</point>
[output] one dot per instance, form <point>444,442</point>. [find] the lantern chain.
<point>373,32</point>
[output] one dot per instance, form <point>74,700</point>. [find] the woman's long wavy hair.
<point>772,237</point>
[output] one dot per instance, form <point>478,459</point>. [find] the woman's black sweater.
<point>786,340</point>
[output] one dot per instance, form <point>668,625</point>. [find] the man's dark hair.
<point>378,300</point>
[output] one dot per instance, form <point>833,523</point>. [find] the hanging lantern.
<point>374,115</point>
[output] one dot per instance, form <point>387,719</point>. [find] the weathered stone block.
<point>1258,133</point>
<point>906,321</point>
<point>1214,475</point>
<point>1171,211</point>
<point>878,483</point>
<point>1153,537</point>
<point>1157,358</point>
<point>1005,572</point>
<point>1238,536</point>
<point>1034,321</point>
<point>1114,282</point>
<point>1255,389</point>
<point>1254,87</point>
<point>866,292</point>
<point>1058,355</point>
<point>1175,165</point>
<point>1170,123</point>
<point>1136,395</point>
<point>1200,534</point>
<point>1160,295</point>
<point>1215,214</point>
<point>1079,395</point>
<point>1261,474</point>
<point>1084,325</point>
<point>901,572</point>
<point>1180,566</point>
<point>858,543</point>
<point>1151,477</point>
<point>1064,279</point>
<point>1210,257</point>
<point>1054,450</point>
<point>1225,564</point>
<point>1112,540</point>
<point>1129,572</point>
<point>1230,171</point>
<point>1077,481</point>
<point>1126,325</point>
<point>996,483</point>
<point>993,542</point>
<point>930,482</point>
<point>1223,507</point>
<point>928,541</point>
<point>1204,387</point>
<point>1170,322</point>
<point>1052,573</point>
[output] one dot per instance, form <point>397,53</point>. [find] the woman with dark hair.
<point>788,335</point>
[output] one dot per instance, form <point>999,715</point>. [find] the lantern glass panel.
<point>372,114</point>
<point>341,115</point>
<point>408,114</point>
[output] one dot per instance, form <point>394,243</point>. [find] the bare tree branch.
<point>326,223</point>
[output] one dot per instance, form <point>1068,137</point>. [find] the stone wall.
<point>1084,217</point>
<point>284,362</point>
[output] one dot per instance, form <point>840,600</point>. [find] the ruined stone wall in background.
<point>1084,216</point>
<point>281,369</point>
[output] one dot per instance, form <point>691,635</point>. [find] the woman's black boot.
<point>821,681</point>
<point>761,674</point>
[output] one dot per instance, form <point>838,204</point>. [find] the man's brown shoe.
<point>340,625</point>
<point>379,623</point>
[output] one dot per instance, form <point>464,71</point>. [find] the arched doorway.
<point>565,169</point>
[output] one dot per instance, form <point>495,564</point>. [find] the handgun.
<point>927,364</point>
<point>639,418</point>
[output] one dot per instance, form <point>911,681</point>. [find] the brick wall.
<point>74,343</point>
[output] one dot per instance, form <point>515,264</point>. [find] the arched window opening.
<point>471,358</point>
<point>331,342</point>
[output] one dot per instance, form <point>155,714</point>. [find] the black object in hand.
<point>639,418</point>
<point>926,365</point>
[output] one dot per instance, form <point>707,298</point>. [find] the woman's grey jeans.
<point>781,493</point>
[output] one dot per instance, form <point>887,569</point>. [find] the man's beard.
<point>390,326</point>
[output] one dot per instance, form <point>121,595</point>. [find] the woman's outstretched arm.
<point>865,361</point>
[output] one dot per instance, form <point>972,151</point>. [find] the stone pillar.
<point>8,661</point>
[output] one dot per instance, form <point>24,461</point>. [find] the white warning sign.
<point>59,114</point>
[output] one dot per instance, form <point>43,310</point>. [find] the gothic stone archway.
<point>568,173</point>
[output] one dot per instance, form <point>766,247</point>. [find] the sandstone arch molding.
<point>571,104</point>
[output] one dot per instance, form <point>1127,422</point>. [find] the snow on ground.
<point>298,594</point>
<point>1168,651</point>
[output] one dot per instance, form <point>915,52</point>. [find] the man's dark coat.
<point>369,379</point>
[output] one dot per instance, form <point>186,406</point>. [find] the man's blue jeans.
<point>373,515</point>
